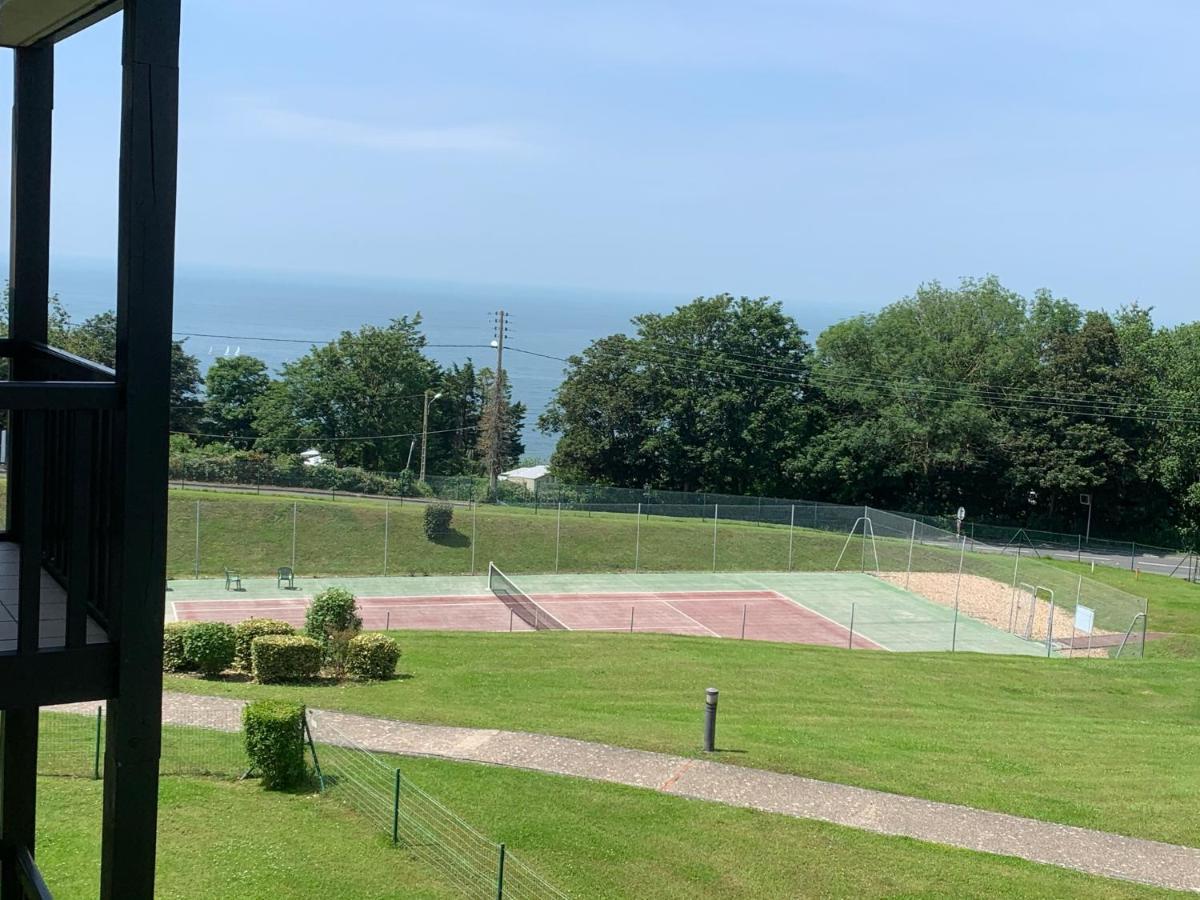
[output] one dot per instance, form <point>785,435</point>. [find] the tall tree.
<point>234,387</point>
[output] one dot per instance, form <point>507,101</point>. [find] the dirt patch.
<point>992,602</point>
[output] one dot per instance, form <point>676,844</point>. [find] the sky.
<point>824,153</point>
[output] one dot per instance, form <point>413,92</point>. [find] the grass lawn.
<point>232,840</point>
<point>1093,743</point>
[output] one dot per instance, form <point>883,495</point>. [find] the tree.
<point>234,387</point>
<point>499,443</point>
<point>708,397</point>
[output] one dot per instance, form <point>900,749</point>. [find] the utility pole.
<point>425,428</point>
<point>496,419</point>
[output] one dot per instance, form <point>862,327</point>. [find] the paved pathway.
<point>1094,852</point>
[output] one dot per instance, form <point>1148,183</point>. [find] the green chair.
<point>285,573</point>
<point>233,581</point>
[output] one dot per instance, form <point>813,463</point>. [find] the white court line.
<point>822,615</point>
<point>689,618</point>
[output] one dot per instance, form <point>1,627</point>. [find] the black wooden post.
<point>29,262</point>
<point>145,284</point>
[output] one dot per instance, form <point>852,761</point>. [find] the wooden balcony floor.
<point>52,629</point>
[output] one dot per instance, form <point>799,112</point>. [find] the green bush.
<point>277,658</point>
<point>209,646</point>
<point>332,611</point>
<point>372,657</point>
<point>438,518</point>
<point>175,658</point>
<point>274,734</point>
<point>245,632</point>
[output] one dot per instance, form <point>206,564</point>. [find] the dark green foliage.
<point>246,631</point>
<point>274,735</point>
<point>372,657</point>
<point>281,658</point>
<point>331,612</point>
<point>438,518</point>
<point>175,658</point>
<point>209,646</point>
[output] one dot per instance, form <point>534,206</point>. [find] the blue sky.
<point>821,152</point>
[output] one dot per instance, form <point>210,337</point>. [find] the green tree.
<point>234,387</point>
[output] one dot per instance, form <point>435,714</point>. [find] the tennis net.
<point>521,603</point>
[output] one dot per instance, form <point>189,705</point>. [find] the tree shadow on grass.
<point>454,538</point>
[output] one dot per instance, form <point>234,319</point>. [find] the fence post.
<point>912,540</point>
<point>294,535</point>
<point>96,754</point>
<point>744,606</point>
<point>197,565</point>
<point>1079,548</point>
<point>500,876</point>
<point>957,585</point>
<point>637,541</point>
<point>1016,567</point>
<point>791,536</point>
<point>387,515</point>
<point>396,810</point>
<point>557,537</point>
<point>632,609</point>
<point>716,515</point>
<point>1133,556</point>
<point>850,644</point>
<point>473,506</point>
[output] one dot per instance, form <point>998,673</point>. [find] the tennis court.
<point>797,607</point>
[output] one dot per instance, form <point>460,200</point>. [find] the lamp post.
<point>425,428</point>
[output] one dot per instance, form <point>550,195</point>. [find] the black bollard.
<point>710,720</point>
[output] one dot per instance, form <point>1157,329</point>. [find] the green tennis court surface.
<point>872,610</point>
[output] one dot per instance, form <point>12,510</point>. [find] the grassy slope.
<point>231,840</point>
<point>1089,743</point>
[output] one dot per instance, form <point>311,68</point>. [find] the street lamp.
<point>425,428</point>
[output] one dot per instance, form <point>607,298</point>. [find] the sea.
<point>278,316</point>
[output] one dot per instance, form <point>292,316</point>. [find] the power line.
<point>324,440</point>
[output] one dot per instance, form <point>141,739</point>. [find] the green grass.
<point>1090,743</point>
<point>221,839</point>
<point>1174,604</point>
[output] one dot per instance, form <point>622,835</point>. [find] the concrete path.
<point>1094,852</point>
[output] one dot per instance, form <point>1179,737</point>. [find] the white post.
<point>557,536</point>
<point>716,515</point>
<point>293,535</point>
<point>473,506</point>
<point>791,537</point>
<point>637,541</point>
<point>957,585</point>
<point>744,606</point>
<point>197,566</point>
<point>387,514</point>
<point>911,541</point>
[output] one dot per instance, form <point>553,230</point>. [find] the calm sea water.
<point>255,307</point>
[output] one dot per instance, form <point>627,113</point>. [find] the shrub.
<point>245,632</point>
<point>438,518</point>
<point>372,657</point>
<point>276,658</point>
<point>175,658</point>
<point>209,646</point>
<point>274,734</point>
<point>331,611</point>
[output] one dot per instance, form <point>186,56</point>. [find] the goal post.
<point>863,527</point>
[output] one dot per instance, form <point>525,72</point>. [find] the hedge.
<point>209,646</point>
<point>251,467</point>
<point>246,631</point>
<point>438,518</point>
<point>332,611</point>
<point>175,658</point>
<point>277,658</point>
<point>372,657</point>
<point>274,734</point>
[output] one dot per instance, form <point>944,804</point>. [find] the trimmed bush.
<point>332,611</point>
<point>372,657</point>
<point>277,658</point>
<point>245,632</point>
<point>175,658</point>
<point>209,646</point>
<point>274,734</point>
<point>438,519</point>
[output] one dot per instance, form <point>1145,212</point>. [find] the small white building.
<point>529,477</point>
<point>312,457</point>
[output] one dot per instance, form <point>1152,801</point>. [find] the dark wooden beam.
<point>145,287</point>
<point>45,395</point>
<point>18,791</point>
<point>80,533</point>
<point>69,675</point>
<point>32,448</point>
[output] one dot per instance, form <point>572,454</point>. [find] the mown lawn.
<point>1095,743</point>
<point>222,839</point>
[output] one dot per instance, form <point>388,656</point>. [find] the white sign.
<point>1085,618</point>
<point>962,513</point>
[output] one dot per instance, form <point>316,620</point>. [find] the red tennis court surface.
<point>756,615</point>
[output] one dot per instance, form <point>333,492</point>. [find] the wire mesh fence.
<point>419,823</point>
